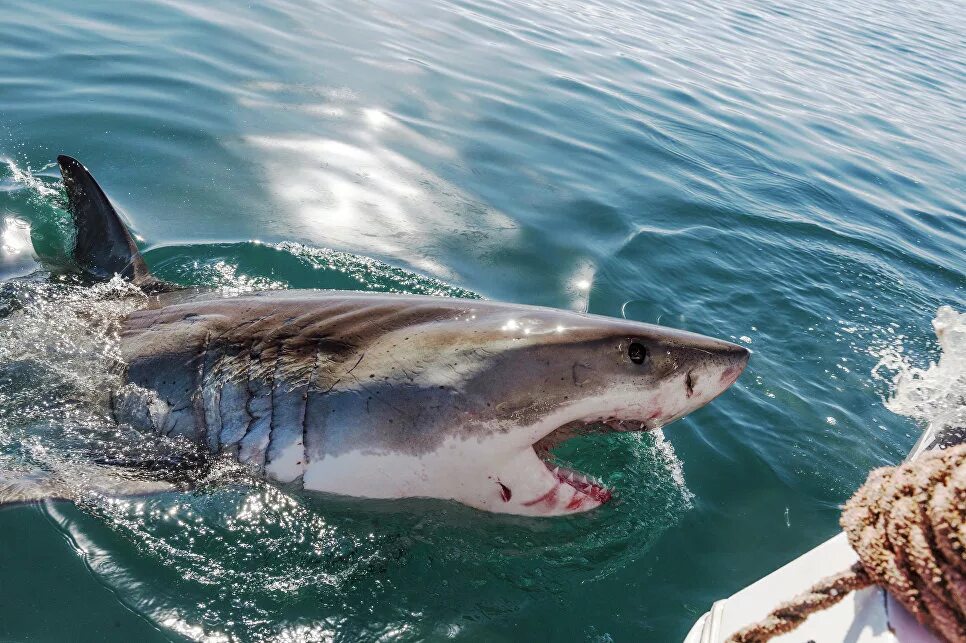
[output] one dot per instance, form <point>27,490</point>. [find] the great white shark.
<point>383,395</point>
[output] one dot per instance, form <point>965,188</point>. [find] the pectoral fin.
<point>26,486</point>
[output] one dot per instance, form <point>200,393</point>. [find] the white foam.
<point>26,178</point>
<point>69,330</point>
<point>934,395</point>
<point>664,450</point>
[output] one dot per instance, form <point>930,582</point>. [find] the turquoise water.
<point>786,176</point>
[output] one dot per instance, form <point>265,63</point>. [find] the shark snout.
<point>733,360</point>
<point>709,370</point>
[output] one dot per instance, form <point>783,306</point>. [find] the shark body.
<point>391,396</point>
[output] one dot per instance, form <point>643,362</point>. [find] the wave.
<point>933,395</point>
<point>18,178</point>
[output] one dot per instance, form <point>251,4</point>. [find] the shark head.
<point>468,400</point>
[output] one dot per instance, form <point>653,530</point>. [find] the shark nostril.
<point>689,383</point>
<point>637,353</point>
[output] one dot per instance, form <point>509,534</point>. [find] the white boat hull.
<point>866,616</point>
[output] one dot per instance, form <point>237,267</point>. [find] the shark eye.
<point>637,353</point>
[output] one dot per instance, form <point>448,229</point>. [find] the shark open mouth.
<point>587,485</point>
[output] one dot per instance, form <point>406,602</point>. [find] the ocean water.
<point>786,175</point>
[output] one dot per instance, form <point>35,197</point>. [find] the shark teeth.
<point>589,486</point>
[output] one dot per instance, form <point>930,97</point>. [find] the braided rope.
<point>908,526</point>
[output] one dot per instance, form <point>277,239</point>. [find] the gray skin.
<point>291,381</point>
<point>388,396</point>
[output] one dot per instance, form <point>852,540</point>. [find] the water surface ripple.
<point>789,176</point>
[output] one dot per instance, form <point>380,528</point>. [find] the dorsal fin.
<point>103,246</point>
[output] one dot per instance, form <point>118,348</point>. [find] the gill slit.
<point>305,409</point>
<point>249,395</point>
<point>271,405</point>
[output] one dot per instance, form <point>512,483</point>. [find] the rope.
<point>908,526</point>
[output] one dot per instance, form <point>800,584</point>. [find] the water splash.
<point>664,451</point>
<point>36,224</point>
<point>58,343</point>
<point>18,178</point>
<point>933,395</point>
<point>230,280</point>
<point>70,327</point>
